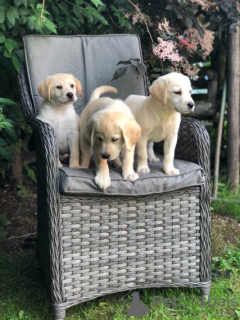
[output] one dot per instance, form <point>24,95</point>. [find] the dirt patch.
<point>22,214</point>
<point>225,232</point>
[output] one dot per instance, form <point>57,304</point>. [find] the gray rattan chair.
<point>154,232</point>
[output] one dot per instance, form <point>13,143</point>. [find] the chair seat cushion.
<point>81,181</point>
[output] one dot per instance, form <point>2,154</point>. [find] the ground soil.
<point>21,211</point>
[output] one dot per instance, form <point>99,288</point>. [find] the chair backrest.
<point>91,59</point>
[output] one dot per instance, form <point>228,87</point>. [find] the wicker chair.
<point>154,232</point>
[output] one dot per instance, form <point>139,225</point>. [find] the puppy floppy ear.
<point>44,89</point>
<point>131,132</point>
<point>158,90</point>
<point>78,86</point>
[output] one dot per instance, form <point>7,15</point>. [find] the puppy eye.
<point>115,139</point>
<point>178,92</point>
<point>100,139</point>
<point>59,87</point>
<point>72,85</point>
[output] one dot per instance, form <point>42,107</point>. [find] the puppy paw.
<point>102,181</point>
<point>172,172</point>
<point>130,176</point>
<point>153,159</point>
<point>143,170</point>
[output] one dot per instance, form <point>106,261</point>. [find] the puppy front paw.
<point>143,169</point>
<point>130,176</point>
<point>171,171</point>
<point>153,159</point>
<point>103,181</point>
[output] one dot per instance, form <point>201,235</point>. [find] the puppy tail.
<point>100,90</point>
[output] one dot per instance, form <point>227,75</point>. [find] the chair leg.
<point>205,292</point>
<point>59,312</point>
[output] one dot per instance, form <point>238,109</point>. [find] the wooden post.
<point>233,110</point>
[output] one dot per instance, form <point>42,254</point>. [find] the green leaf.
<point>16,63</point>
<point>55,9</point>
<point>136,60</point>
<point>25,2</point>
<point>4,220</point>
<point>77,10</point>
<point>124,62</point>
<point>18,2</point>
<point>5,125</point>
<point>134,69</point>
<point>198,27</point>
<point>141,68</point>
<point>2,14</point>
<point>12,133</point>
<point>50,26</point>
<point>92,12</point>
<point>119,73</point>
<point>88,14</point>
<point>21,314</point>
<point>169,7</point>
<point>7,102</point>
<point>31,25</point>
<point>5,154</point>
<point>97,2</point>
<point>8,46</point>
<point>2,37</point>
<point>2,142</point>
<point>12,14</point>
<point>7,54</point>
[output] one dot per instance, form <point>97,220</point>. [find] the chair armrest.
<point>46,143</point>
<point>193,143</point>
<point>47,187</point>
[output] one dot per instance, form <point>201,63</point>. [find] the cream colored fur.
<point>159,118</point>
<point>59,94</point>
<point>108,127</point>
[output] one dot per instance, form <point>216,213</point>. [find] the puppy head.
<point>60,88</point>
<point>110,131</point>
<point>173,91</point>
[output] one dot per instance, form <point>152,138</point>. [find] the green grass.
<point>228,202</point>
<point>23,295</point>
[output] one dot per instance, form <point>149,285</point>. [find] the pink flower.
<point>201,2</point>
<point>164,26</point>
<point>205,43</point>
<point>166,50</point>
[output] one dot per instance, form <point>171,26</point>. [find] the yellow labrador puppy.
<point>59,94</point>
<point>159,118</point>
<point>108,127</point>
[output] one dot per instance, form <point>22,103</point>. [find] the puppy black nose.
<point>190,105</point>
<point>70,95</point>
<point>105,155</point>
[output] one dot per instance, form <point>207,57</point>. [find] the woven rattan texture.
<point>111,243</point>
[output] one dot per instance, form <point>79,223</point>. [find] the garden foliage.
<point>181,28</point>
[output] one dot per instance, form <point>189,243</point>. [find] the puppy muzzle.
<point>105,156</point>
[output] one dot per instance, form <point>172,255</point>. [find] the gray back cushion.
<point>91,59</point>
